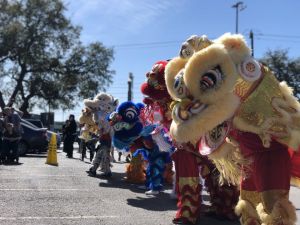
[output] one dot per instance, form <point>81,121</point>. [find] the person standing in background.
<point>70,134</point>
<point>12,134</point>
<point>1,135</point>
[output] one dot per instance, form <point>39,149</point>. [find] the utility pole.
<point>239,6</point>
<point>251,36</point>
<point>130,84</point>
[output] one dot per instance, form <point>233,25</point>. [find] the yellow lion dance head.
<point>217,82</point>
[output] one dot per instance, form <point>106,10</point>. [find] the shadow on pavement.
<point>38,155</point>
<point>160,202</point>
<point>205,220</point>
<point>117,180</point>
<point>12,164</point>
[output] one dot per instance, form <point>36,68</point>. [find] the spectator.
<point>1,135</point>
<point>69,137</point>
<point>11,134</point>
<point>64,132</point>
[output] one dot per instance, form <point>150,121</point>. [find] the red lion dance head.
<point>157,98</point>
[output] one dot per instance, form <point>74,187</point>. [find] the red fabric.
<point>223,198</point>
<point>270,168</point>
<point>295,158</point>
<point>141,143</point>
<point>138,143</point>
<point>186,166</point>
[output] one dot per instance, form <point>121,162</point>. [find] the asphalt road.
<point>36,193</point>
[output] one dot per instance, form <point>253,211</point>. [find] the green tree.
<point>284,67</point>
<point>43,62</point>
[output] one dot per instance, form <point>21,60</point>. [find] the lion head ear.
<point>236,46</point>
<point>116,102</point>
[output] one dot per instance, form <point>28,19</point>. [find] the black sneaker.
<point>91,172</point>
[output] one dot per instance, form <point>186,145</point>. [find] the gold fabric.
<point>251,196</point>
<point>271,197</point>
<point>267,198</point>
<point>295,181</point>
<point>193,183</point>
<point>258,108</point>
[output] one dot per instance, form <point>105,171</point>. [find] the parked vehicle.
<point>38,124</point>
<point>33,139</point>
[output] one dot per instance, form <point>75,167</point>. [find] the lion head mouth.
<point>184,111</point>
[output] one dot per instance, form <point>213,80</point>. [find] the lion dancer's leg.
<point>96,161</point>
<point>223,197</point>
<point>135,170</point>
<point>187,187</point>
<point>273,183</point>
<point>249,199</point>
<point>106,161</point>
<point>154,175</point>
<point>267,189</point>
<point>168,173</point>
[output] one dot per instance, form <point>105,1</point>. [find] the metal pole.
<point>130,81</point>
<point>252,42</point>
<point>239,6</point>
<point>237,20</point>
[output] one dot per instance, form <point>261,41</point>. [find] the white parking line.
<point>38,189</point>
<point>46,175</point>
<point>56,217</point>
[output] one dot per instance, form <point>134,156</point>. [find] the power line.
<point>159,44</point>
<point>278,35</point>
<point>275,39</point>
<point>147,44</point>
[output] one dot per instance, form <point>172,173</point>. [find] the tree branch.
<point>18,86</point>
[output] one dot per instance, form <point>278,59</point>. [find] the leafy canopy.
<point>43,62</point>
<point>285,68</point>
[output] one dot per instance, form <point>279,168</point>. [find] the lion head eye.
<point>211,78</point>
<point>179,85</point>
<point>131,113</point>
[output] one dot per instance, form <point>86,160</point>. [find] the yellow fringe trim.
<point>283,213</point>
<point>295,181</point>
<point>229,162</point>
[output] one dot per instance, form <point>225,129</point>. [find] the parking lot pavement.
<point>36,193</point>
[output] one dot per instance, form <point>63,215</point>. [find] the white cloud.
<point>124,15</point>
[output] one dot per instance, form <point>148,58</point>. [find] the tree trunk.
<point>24,108</point>
<point>25,105</point>
<point>2,103</point>
<point>18,86</point>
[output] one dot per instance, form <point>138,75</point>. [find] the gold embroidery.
<point>251,196</point>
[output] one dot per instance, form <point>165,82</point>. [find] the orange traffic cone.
<point>52,155</point>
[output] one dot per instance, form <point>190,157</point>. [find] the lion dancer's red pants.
<point>264,197</point>
<point>223,198</point>
<point>188,187</point>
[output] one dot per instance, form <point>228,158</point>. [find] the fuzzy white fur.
<point>199,124</point>
<point>283,213</point>
<point>171,70</point>
<point>247,212</point>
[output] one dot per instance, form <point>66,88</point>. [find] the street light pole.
<point>251,36</point>
<point>239,6</point>
<point>130,84</point>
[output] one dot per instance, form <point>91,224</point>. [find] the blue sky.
<point>145,31</point>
